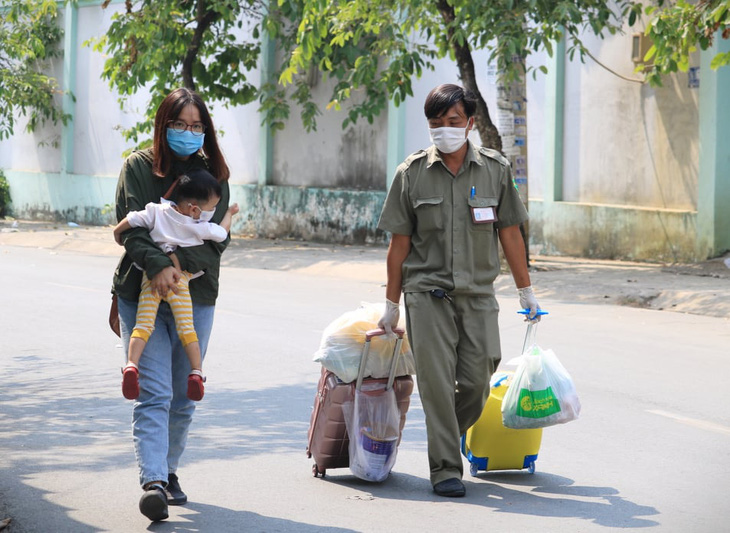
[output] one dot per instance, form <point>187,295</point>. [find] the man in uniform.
<point>446,210</point>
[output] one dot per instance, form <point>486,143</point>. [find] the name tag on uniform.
<point>483,215</point>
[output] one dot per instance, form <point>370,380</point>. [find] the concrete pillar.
<point>266,136</point>
<point>554,124</point>
<point>70,34</point>
<point>713,201</point>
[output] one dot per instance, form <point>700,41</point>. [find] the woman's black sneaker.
<point>175,495</point>
<point>153,503</point>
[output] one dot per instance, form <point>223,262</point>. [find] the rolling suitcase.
<point>328,441</point>
<point>488,444</point>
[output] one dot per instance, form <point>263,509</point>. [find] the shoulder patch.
<point>494,154</point>
<point>408,161</point>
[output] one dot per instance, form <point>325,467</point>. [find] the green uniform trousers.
<point>456,348</point>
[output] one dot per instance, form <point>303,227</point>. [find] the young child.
<point>185,223</point>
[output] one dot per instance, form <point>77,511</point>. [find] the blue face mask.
<point>184,143</point>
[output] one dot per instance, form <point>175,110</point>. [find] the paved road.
<point>649,452</point>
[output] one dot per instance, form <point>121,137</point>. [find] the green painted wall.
<point>713,201</point>
<point>613,232</point>
<point>325,215</point>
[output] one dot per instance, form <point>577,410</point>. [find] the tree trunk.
<point>203,20</point>
<point>487,130</point>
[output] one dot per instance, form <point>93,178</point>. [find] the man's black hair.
<point>445,96</point>
<point>198,185</point>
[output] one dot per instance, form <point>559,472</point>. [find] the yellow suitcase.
<point>488,445</point>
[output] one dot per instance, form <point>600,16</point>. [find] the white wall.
<point>98,141</point>
<point>626,143</point>
<point>330,156</point>
<point>34,152</point>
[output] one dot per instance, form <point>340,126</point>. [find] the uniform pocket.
<point>429,213</point>
<point>482,203</point>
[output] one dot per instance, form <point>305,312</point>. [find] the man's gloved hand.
<point>390,318</point>
<point>528,301</point>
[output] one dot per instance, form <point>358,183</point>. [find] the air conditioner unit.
<point>640,45</point>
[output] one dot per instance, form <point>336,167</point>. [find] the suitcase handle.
<point>380,331</point>
<point>366,352</point>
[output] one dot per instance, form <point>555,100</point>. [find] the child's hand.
<point>233,209</point>
<point>118,238</point>
<point>175,262</point>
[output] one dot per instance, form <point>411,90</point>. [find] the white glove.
<point>390,318</point>
<point>528,301</point>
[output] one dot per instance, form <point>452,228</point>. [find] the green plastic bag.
<point>541,394</point>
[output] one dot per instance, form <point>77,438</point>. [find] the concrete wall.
<point>613,231</point>
<point>354,158</point>
<point>626,143</point>
<point>309,213</point>
<point>623,179</point>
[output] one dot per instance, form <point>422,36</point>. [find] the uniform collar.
<point>174,214</point>
<point>472,155</point>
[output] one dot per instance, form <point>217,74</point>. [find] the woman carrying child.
<point>184,141</point>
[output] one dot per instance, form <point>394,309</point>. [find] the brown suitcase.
<point>328,441</point>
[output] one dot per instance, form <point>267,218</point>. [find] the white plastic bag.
<point>541,394</point>
<point>342,341</point>
<point>373,426</point>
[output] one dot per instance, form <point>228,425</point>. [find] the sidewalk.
<point>702,288</point>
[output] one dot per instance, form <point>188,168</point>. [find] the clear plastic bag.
<point>541,394</point>
<point>373,426</point>
<point>342,341</point>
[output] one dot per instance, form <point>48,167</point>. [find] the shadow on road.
<point>51,429</point>
<point>203,517</point>
<point>236,423</point>
<point>37,501</point>
<point>562,499</point>
<point>547,495</point>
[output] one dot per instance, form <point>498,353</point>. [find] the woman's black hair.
<point>198,185</point>
<point>445,96</point>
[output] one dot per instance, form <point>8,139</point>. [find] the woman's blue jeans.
<point>162,413</point>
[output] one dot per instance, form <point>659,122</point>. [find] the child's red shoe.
<point>196,389</point>
<point>130,382</point>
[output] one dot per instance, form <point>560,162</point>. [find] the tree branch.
<point>204,20</point>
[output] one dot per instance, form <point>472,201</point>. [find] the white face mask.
<point>448,140</point>
<point>206,216</point>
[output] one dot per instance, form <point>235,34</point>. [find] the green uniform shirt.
<point>136,188</point>
<point>448,250</point>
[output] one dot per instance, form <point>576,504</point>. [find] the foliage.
<point>371,48</point>
<point>157,45</point>
<point>29,35</point>
<point>678,28</point>
<point>374,48</point>
<point>4,194</point>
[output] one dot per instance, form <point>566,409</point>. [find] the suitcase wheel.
<point>317,472</point>
<point>531,467</point>
<point>473,469</point>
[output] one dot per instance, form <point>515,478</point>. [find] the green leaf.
<point>720,60</point>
